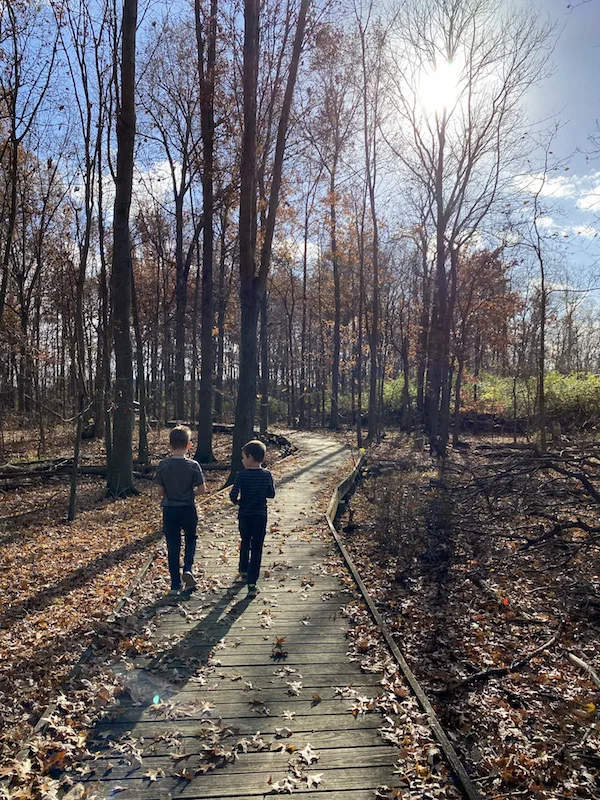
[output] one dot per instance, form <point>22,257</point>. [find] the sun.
<point>440,88</point>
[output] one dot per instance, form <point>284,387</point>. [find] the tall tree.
<point>120,466</point>
<point>329,130</point>
<point>371,48</point>
<point>30,55</point>
<point>170,97</point>
<point>461,69</point>
<point>206,39</point>
<point>253,281</point>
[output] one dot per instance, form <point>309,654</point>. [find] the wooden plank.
<point>109,767</point>
<point>261,647</point>
<point>320,740</point>
<point>300,633</point>
<point>312,674</point>
<point>254,708</point>
<point>245,726</point>
<point>327,673</point>
<point>241,659</point>
<point>354,760</point>
<point>225,694</point>
<point>222,783</point>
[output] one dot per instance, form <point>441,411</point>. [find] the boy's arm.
<point>200,484</point>
<point>235,490</point>
<point>271,487</point>
<point>158,483</point>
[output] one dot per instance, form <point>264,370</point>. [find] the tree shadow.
<point>327,457</point>
<point>76,579</point>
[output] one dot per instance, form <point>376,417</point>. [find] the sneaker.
<point>189,580</point>
<point>173,592</point>
<point>242,577</point>
<point>253,590</point>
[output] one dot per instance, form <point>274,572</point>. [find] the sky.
<point>571,97</point>
<point>571,92</point>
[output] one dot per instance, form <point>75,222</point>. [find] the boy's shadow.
<point>159,678</point>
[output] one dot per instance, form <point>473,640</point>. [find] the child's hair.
<point>255,450</point>
<point>180,437</point>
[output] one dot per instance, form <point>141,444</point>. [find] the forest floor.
<point>487,574</point>
<point>489,577</point>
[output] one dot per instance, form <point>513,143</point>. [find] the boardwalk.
<point>237,698</point>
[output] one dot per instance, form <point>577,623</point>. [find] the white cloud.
<point>583,190</point>
<point>547,223</point>
<point>154,181</point>
<point>547,186</point>
<point>587,231</point>
<point>590,201</point>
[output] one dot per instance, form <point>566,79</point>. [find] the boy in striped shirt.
<point>251,488</point>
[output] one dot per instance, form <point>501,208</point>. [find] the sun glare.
<point>439,88</point>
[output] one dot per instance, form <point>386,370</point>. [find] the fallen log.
<point>590,672</point>
<point>222,427</point>
<point>139,471</point>
<point>499,672</point>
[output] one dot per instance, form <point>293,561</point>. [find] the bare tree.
<point>329,130</point>
<point>120,466</point>
<point>31,49</point>
<point>253,281</point>
<point>459,71</point>
<point>206,39</point>
<point>170,98</point>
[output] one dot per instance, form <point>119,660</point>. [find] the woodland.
<point>272,216</point>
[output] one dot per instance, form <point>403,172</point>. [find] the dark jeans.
<point>252,530</point>
<point>176,518</point>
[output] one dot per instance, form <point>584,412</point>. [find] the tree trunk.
<point>76,450</point>
<point>436,362</point>
<point>405,421</point>
<point>444,419</point>
<point>180,311</point>
<point>246,401</point>
<point>334,417</point>
<point>264,366</point>
<point>423,333</point>
<point>249,289</point>
<point>143,452</point>
<point>204,451</point>
<point>457,391</point>
<point>221,320</point>
<point>359,342</point>
<point>120,467</point>
<point>542,362</point>
<point>253,287</point>
<point>302,398</point>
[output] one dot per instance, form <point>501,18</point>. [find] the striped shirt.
<point>250,491</point>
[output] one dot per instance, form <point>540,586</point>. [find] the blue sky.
<point>572,91</point>
<point>571,97</point>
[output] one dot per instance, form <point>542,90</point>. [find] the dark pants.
<point>252,530</point>
<point>176,518</point>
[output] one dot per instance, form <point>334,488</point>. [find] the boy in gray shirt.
<point>180,479</point>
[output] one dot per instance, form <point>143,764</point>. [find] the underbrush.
<point>571,400</point>
<point>488,576</point>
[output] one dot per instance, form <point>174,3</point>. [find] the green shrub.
<point>570,399</point>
